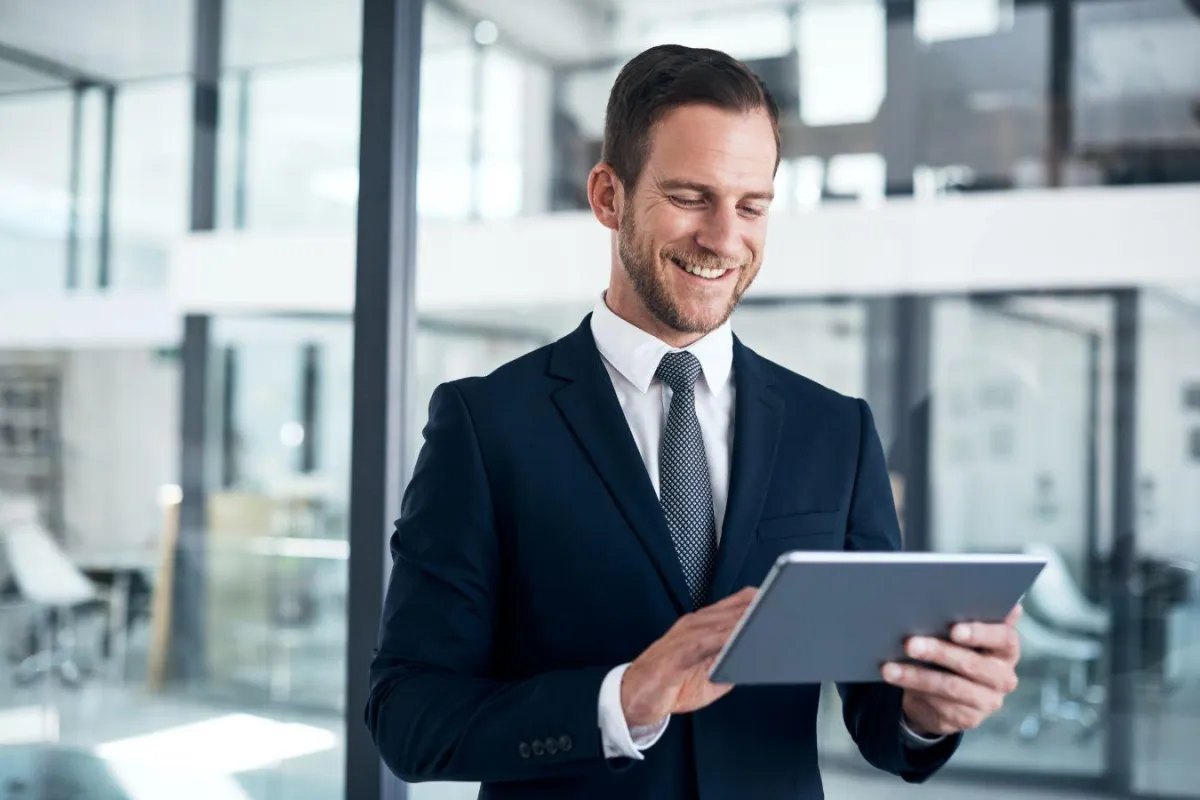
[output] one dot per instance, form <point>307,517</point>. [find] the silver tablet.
<point>840,616</point>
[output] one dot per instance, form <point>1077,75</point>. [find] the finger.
<point>1000,639</point>
<point>943,685</point>
<point>737,600</point>
<point>713,616</point>
<point>717,614</point>
<point>1014,615</point>
<point>982,669</point>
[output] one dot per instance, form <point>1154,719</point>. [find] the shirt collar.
<point>636,354</point>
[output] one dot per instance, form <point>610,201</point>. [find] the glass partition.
<point>35,200</point>
<point>1168,563</point>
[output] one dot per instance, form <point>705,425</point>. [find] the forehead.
<point>729,149</point>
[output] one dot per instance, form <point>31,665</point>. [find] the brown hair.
<point>664,78</point>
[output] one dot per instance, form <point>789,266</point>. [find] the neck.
<point>630,308</point>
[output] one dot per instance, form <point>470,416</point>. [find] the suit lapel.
<point>758,417</point>
<point>589,405</point>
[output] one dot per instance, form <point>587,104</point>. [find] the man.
<point>586,525</point>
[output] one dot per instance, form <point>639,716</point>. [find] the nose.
<point>721,234</point>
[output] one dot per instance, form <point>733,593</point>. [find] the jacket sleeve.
<point>434,710</point>
<point>872,711</point>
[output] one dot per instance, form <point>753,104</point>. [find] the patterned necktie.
<point>685,489</point>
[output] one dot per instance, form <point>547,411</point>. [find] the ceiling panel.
<point>123,40</point>
<point>113,39</point>
<point>18,79</point>
<point>262,33</point>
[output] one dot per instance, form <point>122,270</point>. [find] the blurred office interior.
<point>987,224</point>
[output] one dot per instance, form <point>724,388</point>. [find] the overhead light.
<point>843,61</point>
<point>942,20</point>
<point>486,32</point>
<point>291,434</point>
<point>170,494</point>
<point>336,185</point>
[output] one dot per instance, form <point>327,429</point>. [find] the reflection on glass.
<point>35,161</point>
<point>843,65</point>
<point>1168,568</point>
<point>1012,468</point>
<point>152,154</point>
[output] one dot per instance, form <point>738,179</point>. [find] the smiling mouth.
<point>699,272</point>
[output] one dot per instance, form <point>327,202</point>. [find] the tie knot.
<point>679,371</point>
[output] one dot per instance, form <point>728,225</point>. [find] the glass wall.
<point>1168,515</point>
<point>145,655</point>
<point>35,184</point>
<point>1016,434</point>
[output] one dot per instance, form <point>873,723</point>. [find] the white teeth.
<point>711,274</point>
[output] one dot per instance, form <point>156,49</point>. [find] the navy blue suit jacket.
<point>532,557</point>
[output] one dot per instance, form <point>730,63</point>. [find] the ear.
<point>606,195</point>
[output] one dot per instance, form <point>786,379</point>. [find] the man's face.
<point>692,229</point>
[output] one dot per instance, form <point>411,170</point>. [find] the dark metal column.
<point>1093,575</point>
<point>230,440</point>
<point>310,393</point>
<point>206,91</point>
<point>1125,645</point>
<point>186,654</point>
<point>899,125</point>
<point>1060,100</point>
<point>187,630</point>
<point>913,405</point>
<point>384,333</point>
<point>104,269</point>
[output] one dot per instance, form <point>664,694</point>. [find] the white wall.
<point>121,437</point>
<point>1014,240</point>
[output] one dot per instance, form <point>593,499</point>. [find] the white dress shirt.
<point>631,356</point>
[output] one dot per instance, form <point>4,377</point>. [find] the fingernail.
<point>891,672</point>
<point>961,633</point>
<point>917,648</point>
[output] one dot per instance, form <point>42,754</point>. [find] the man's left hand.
<point>982,663</point>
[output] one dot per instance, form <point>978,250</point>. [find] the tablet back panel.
<point>839,617</point>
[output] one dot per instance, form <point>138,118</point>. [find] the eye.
<point>754,212</point>
<point>687,202</point>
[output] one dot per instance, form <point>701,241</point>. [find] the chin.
<point>703,319</point>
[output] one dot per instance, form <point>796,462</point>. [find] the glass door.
<point>1167,586</point>
<point>1015,445</point>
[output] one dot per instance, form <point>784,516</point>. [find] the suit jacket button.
<point>551,746</point>
<point>538,748</point>
<point>565,744</point>
<point>524,750</point>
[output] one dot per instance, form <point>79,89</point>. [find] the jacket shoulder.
<point>508,382</point>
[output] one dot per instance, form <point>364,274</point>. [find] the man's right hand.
<point>671,677</point>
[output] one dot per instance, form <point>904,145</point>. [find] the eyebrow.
<point>693,186</point>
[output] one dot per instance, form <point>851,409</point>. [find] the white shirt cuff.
<point>914,739</point>
<point>619,740</point>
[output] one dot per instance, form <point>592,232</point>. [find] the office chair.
<point>46,578</point>
<point>1059,600</point>
<point>1056,650</point>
